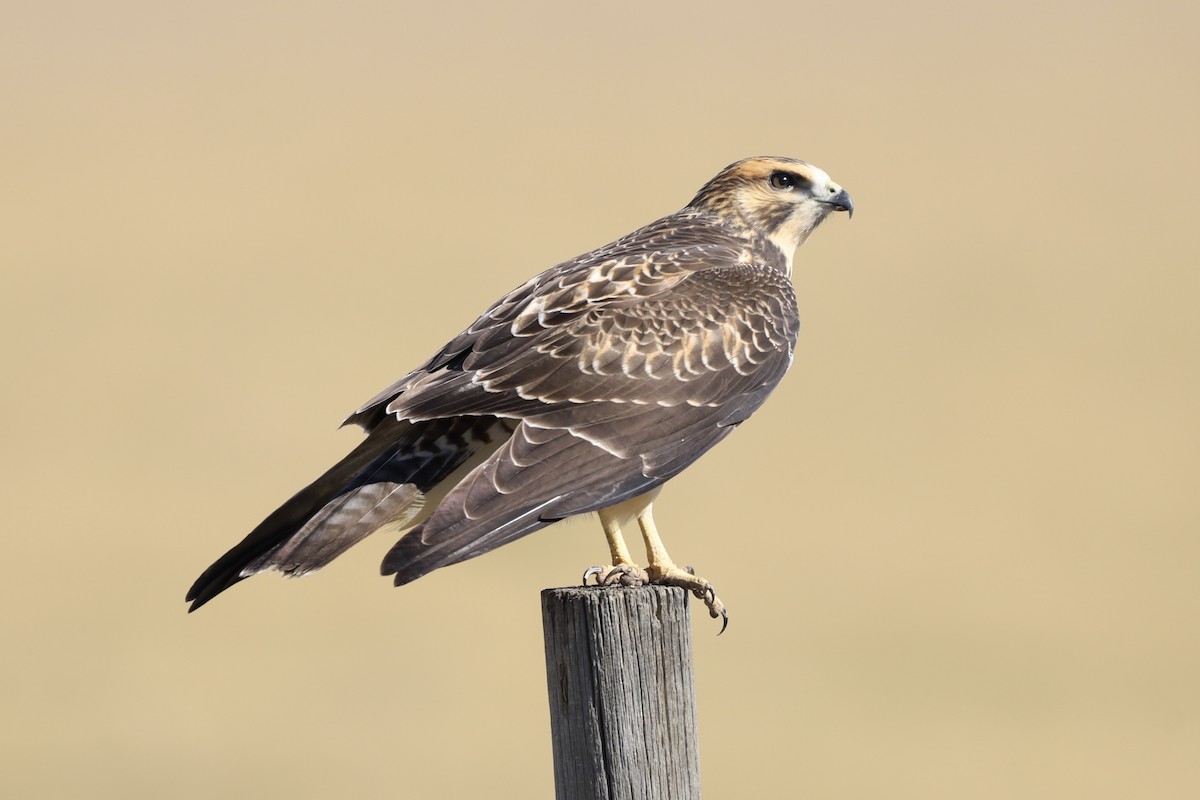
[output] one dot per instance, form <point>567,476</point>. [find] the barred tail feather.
<point>382,483</point>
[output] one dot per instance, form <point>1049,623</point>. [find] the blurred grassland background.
<point>960,545</point>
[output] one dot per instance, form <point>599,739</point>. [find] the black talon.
<point>724,621</point>
<point>589,572</point>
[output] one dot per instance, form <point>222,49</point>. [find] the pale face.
<point>783,199</point>
<point>788,199</point>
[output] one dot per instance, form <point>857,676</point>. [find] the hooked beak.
<point>842,202</point>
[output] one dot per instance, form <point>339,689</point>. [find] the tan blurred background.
<point>960,544</point>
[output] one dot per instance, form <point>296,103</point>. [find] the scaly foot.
<point>623,574</point>
<point>671,575</point>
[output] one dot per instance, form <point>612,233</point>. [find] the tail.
<point>381,483</point>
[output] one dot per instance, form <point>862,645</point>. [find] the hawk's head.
<point>780,199</point>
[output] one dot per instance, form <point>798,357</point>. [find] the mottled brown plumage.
<point>584,389</point>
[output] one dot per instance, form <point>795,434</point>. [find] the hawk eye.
<point>783,180</point>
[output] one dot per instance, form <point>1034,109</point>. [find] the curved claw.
<point>624,574</point>
<point>716,608</point>
<point>701,589</point>
<point>627,575</point>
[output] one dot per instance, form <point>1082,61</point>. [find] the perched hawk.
<point>584,389</point>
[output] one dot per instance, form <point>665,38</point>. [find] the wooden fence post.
<point>622,693</point>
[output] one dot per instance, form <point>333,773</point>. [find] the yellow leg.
<point>623,569</point>
<point>656,552</point>
<point>616,542</point>
<point>664,571</point>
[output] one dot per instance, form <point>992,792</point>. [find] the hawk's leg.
<point>622,570</point>
<point>663,570</point>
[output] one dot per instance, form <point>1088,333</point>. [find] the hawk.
<point>585,389</point>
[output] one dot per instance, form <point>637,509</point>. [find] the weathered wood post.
<point>622,693</point>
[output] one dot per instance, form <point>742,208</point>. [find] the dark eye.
<point>782,180</point>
